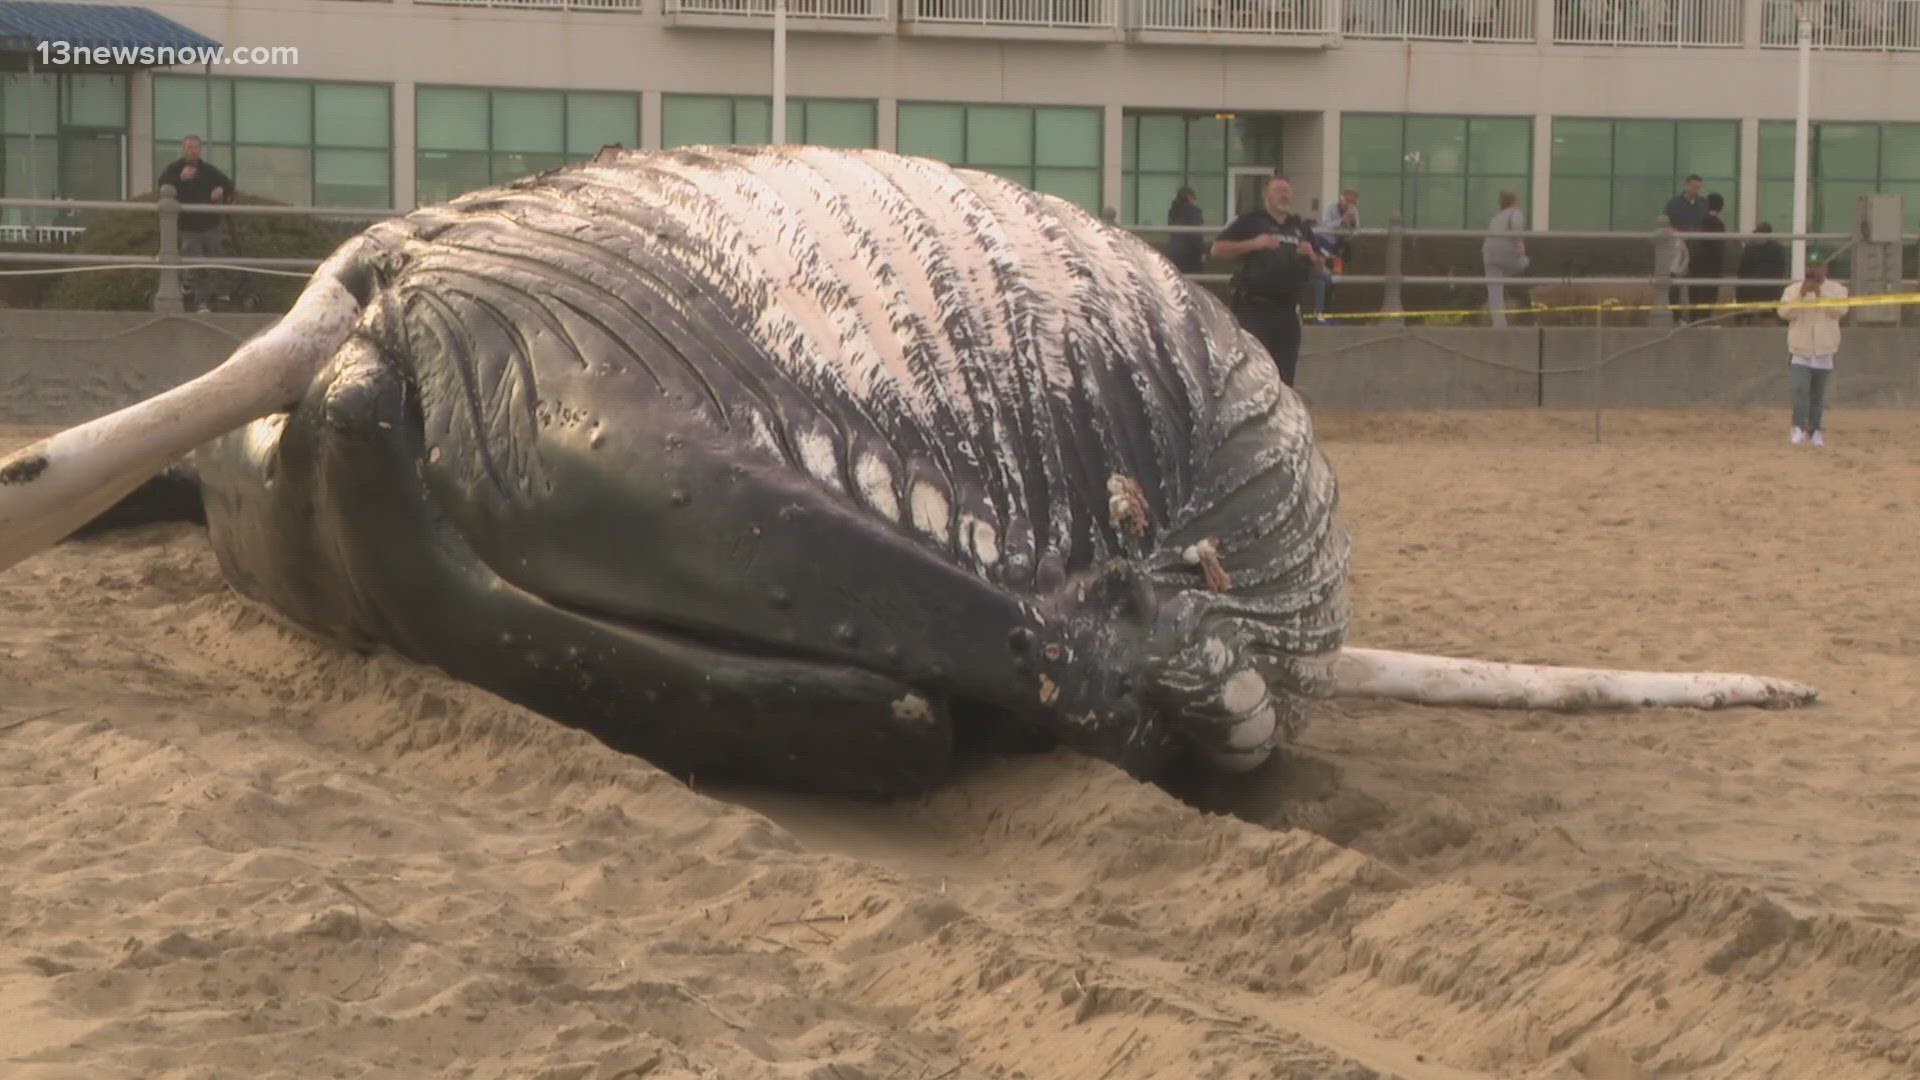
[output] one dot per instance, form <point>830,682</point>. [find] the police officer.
<point>1277,260</point>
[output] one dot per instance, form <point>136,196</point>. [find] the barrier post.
<point>1599,358</point>
<point>1396,240</point>
<point>1665,243</point>
<point>166,292</point>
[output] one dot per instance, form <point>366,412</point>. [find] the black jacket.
<point>197,189</point>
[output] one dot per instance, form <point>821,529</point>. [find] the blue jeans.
<point>1809,396</point>
<point>198,280</point>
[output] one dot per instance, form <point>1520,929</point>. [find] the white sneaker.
<point>1799,436</point>
<point>1817,440</point>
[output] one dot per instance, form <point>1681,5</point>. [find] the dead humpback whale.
<point>792,463</point>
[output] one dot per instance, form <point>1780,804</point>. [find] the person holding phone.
<point>1813,339</point>
<point>197,181</point>
<point>1277,257</point>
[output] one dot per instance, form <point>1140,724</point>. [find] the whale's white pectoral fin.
<point>56,485</point>
<point>1441,680</point>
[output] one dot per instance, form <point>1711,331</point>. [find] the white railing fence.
<point>1064,14</point>
<point>547,5</point>
<point>1440,20</point>
<point>1695,23</point>
<point>1863,25</point>
<point>1234,16</point>
<point>796,9</point>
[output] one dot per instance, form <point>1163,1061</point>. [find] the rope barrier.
<point>1729,307</point>
<point>183,267</point>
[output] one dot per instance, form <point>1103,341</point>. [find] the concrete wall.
<point>63,367</point>
<point>1479,367</point>
<point>59,367</point>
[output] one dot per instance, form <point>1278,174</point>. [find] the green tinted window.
<point>185,106</point>
<point>352,177</point>
<point>1582,205</point>
<point>95,100</point>
<point>1707,147</point>
<point>933,131</point>
<point>1581,148</point>
<point>1436,172</point>
<point>1067,137</point>
<point>1847,152</point>
<point>30,104</point>
<point>1440,142</point>
<point>274,113</point>
<point>1900,153</point>
<point>450,119</point>
<point>1643,148</point>
<point>1163,142</point>
<point>1619,174</point>
<point>694,121</point>
<point>1171,150</point>
<point>596,120</point>
<point>1500,147</point>
<point>1370,145</point>
<point>357,116</point>
<point>999,135</point>
<point>529,121</point>
<point>753,121</point>
<point>849,124</point>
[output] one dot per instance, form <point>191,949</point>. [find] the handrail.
<point>1658,238</point>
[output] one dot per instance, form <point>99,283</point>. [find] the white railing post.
<point>166,290</point>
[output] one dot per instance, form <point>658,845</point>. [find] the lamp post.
<point>780,72</point>
<point>1803,13</point>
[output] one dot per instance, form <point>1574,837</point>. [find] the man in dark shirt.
<point>1765,259</point>
<point>196,181</point>
<point>1277,258</point>
<point>1686,209</point>
<point>1707,259</point>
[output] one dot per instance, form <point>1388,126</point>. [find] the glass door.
<point>1246,189</point>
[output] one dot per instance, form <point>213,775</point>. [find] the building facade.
<point>1592,111</point>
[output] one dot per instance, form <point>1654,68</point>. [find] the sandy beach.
<point>228,851</point>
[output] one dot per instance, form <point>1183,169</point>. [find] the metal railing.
<point>1440,20</point>
<point>1251,17</point>
<point>1688,23</point>
<point>874,10</point>
<point>546,5</point>
<point>1857,25</point>
<point>1656,245</point>
<point>65,235</point>
<point>1043,14</point>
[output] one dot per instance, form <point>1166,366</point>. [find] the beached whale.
<point>793,463</point>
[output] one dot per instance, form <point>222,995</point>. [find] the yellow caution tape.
<point>1875,300</point>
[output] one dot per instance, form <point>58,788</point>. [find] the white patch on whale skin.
<point>929,507</point>
<point>1254,731</point>
<point>876,484</point>
<point>1243,693</point>
<point>760,434</point>
<point>261,440</point>
<point>980,540</point>
<point>817,454</point>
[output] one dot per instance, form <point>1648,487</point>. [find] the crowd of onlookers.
<point>1504,256</point>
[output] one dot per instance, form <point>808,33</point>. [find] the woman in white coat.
<point>1813,337</point>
